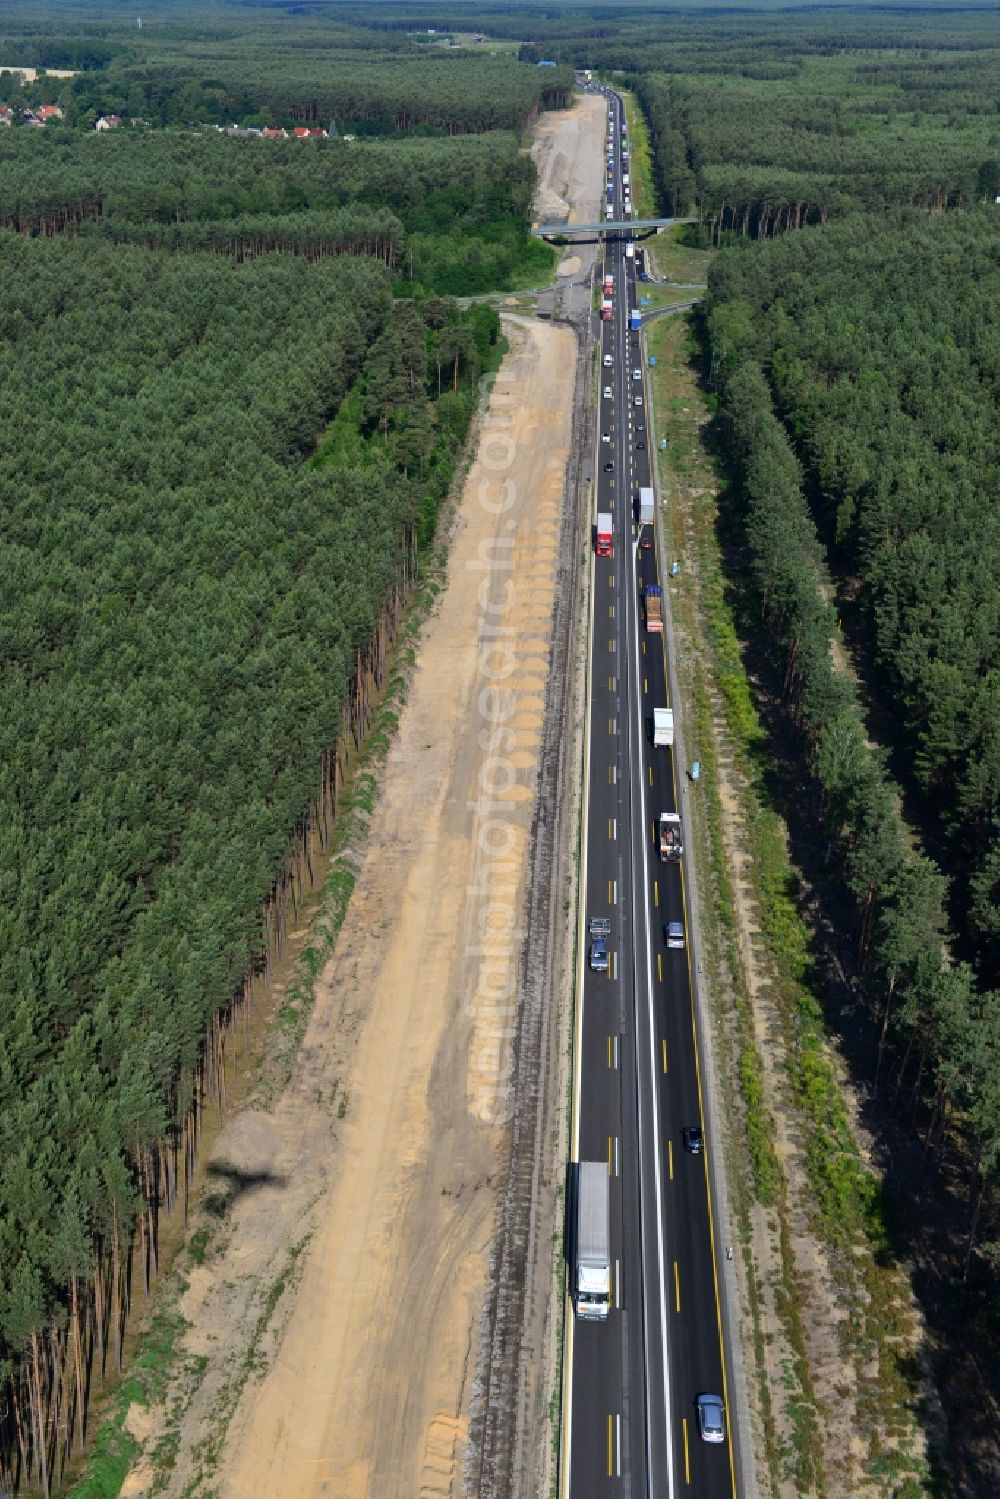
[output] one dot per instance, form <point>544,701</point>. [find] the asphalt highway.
<point>632,1381</point>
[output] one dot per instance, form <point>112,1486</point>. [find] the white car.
<point>637,374</point>
<point>605,436</point>
<point>608,361</point>
<point>608,396</point>
<point>637,401</point>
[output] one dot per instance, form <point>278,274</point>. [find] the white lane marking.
<point>578,1068</point>
<point>657,1154</point>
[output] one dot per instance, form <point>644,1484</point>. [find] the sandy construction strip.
<point>367,1392</point>
<point>566,150</point>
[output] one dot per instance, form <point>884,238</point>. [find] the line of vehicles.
<point>635,1235</point>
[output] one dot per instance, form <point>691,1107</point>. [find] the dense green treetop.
<point>882,350</point>
<point>837,134</point>
<point>182,600</point>
<point>169,177</point>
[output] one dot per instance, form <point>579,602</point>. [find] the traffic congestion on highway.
<point>646,1391</point>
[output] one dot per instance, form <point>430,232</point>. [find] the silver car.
<point>711,1418</point>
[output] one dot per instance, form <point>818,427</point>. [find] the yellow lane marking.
<point>687,1456</point>
<point>666,1065</point>
<point>645,684</point>
<point>656,892</point>
<point>643,647</point>
<point>651,775</point>
<point>611,611</point>
<point>609,1051</point>
<point>610,1158</point>
<point>659,966</point>
<point>611,899</point>
<point>677,1286</point>
<point>611,1443</point>
<point>670,1150</point>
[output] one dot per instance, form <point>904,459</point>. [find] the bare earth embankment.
<point>569,158</point>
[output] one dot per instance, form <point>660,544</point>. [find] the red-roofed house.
<point>274,133</point>
<point>49,112</point>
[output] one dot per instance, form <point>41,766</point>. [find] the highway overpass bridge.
<point>641,228</point>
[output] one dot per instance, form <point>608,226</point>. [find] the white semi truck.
<point>592,1281</point>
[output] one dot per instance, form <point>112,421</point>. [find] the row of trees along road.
<point>757,156</point>
<point>191,619</point>
<point>859,368</point>
<point>882,360</point>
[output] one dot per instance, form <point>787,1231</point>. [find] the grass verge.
<point>639,164</point>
